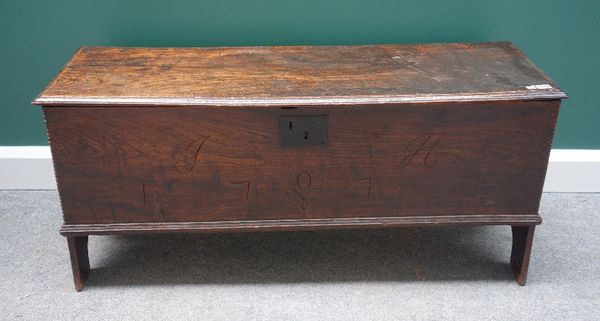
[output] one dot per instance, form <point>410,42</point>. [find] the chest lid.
<point>297,76</point>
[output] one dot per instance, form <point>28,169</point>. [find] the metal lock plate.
<point>303,130</point>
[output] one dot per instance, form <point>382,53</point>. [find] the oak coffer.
<point>154,140</point>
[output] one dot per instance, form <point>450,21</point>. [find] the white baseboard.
<point>573,170</point>
<point>26,167</point>
<point>30,167</point>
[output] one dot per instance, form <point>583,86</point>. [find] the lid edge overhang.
<point>295,101</point>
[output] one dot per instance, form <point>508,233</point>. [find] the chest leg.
<point>521,251</point>
<point>80,264</point>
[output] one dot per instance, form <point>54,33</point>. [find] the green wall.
<point>37,38</point>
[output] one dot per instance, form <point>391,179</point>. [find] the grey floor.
<point>457,273</point>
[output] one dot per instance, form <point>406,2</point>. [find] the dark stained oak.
<point>163,140</point>
<point>521,251</point>
<point>267,76</point>
<point>190,164</point>
<point>80,263</point>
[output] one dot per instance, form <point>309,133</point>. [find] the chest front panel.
<point>202,164</point>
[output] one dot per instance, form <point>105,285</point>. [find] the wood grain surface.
<point>303,76</point>
<point>186,164</point>
<point>160,140</point>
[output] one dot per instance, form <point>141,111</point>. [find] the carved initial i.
<point>186,161</point>
<point>424,144</point>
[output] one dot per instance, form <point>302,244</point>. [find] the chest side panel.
<point>201,164</point>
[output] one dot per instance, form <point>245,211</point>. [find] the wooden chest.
<point>150,140</point>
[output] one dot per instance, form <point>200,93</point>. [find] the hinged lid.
<point>280,76</point>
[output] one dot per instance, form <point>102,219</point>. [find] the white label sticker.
<point>542,86</point>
